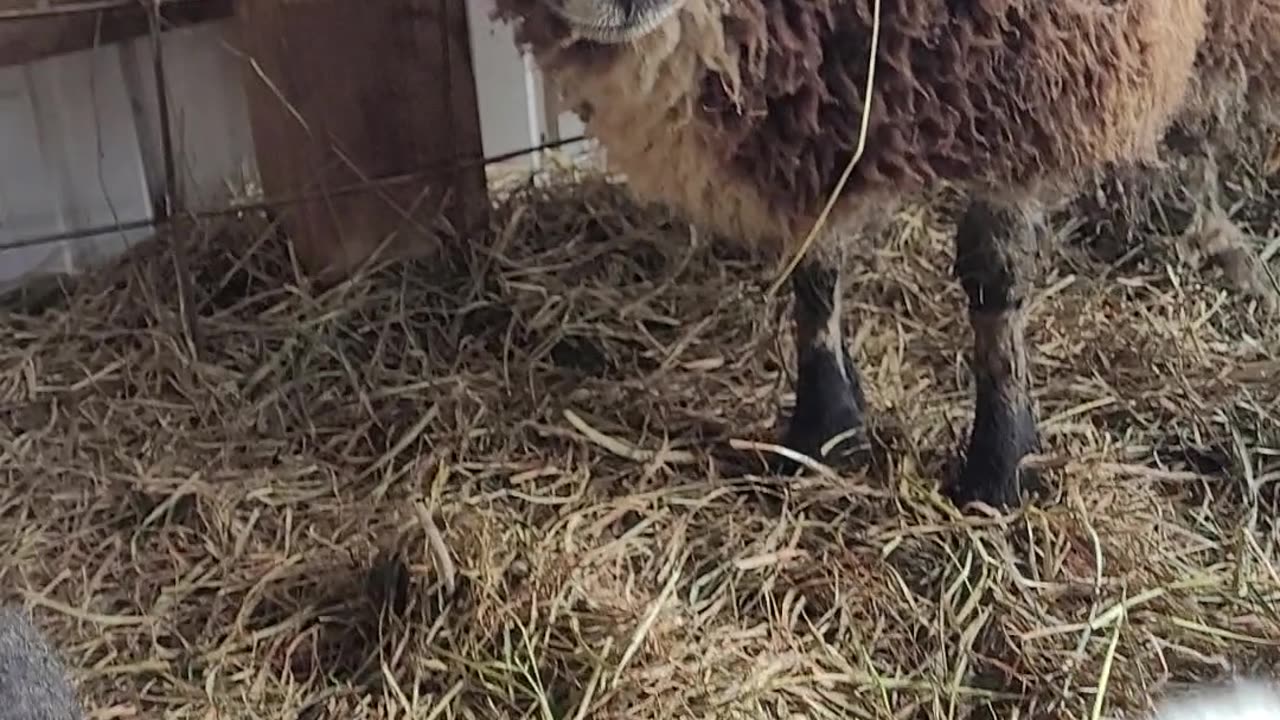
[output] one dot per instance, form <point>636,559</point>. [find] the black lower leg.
<point>993,259</point>
<point>829,398</point>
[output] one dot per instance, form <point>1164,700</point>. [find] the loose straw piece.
<point>853,161</point>
<point>439,550</point>
<point>622,449</point>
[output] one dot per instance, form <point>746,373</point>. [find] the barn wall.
<point>81,144</point>
<point>53,178</point>
<point>209,118</point>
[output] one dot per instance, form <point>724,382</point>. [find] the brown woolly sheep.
<point>744,114</point>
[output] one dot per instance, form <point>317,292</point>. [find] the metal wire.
<point>172,199</point>
<point>286,200</point>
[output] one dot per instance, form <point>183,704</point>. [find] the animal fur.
<point>1239,701</point>
<point>744,113</point>
<point>1237,71</point>
<point>33,681</point>
<point>1232,109</point>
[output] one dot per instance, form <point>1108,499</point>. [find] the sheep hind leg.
<point>994,246</point>
<point>1225,244</point>
<point>829,397</point>
<point>1213,237</point>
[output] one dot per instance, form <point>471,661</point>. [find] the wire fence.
<point>285,201</point>
<point>170,209</point>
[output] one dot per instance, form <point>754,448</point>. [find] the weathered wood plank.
<point>341,92</point>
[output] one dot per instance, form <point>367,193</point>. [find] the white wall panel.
<point>209,115</point>
<point>513,112</point>
<point>72,161</point>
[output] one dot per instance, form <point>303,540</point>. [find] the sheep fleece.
<point>1237,77</point>
<point>744,113</point>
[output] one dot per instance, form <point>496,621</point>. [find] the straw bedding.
<point>502,484</point>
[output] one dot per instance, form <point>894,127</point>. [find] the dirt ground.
<point>502,484</point>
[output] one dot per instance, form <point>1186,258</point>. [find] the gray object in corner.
<point>33,681</point>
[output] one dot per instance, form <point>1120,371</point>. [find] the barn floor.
<point>256,533</point>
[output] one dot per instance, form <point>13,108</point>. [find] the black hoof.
<point>992,473</point>
<point>1000,489</point>
<point>829,403</point>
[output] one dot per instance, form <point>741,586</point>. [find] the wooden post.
<point>342,92</point>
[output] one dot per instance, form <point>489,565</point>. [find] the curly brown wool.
<point>744,113</point>
<point>992,93</point>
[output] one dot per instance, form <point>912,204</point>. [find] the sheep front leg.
<point>829,398</point>
<point>994,246</point>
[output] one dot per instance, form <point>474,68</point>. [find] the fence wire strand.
<point>289,200</point>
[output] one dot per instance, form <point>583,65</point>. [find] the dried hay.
<point>257,534</point>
